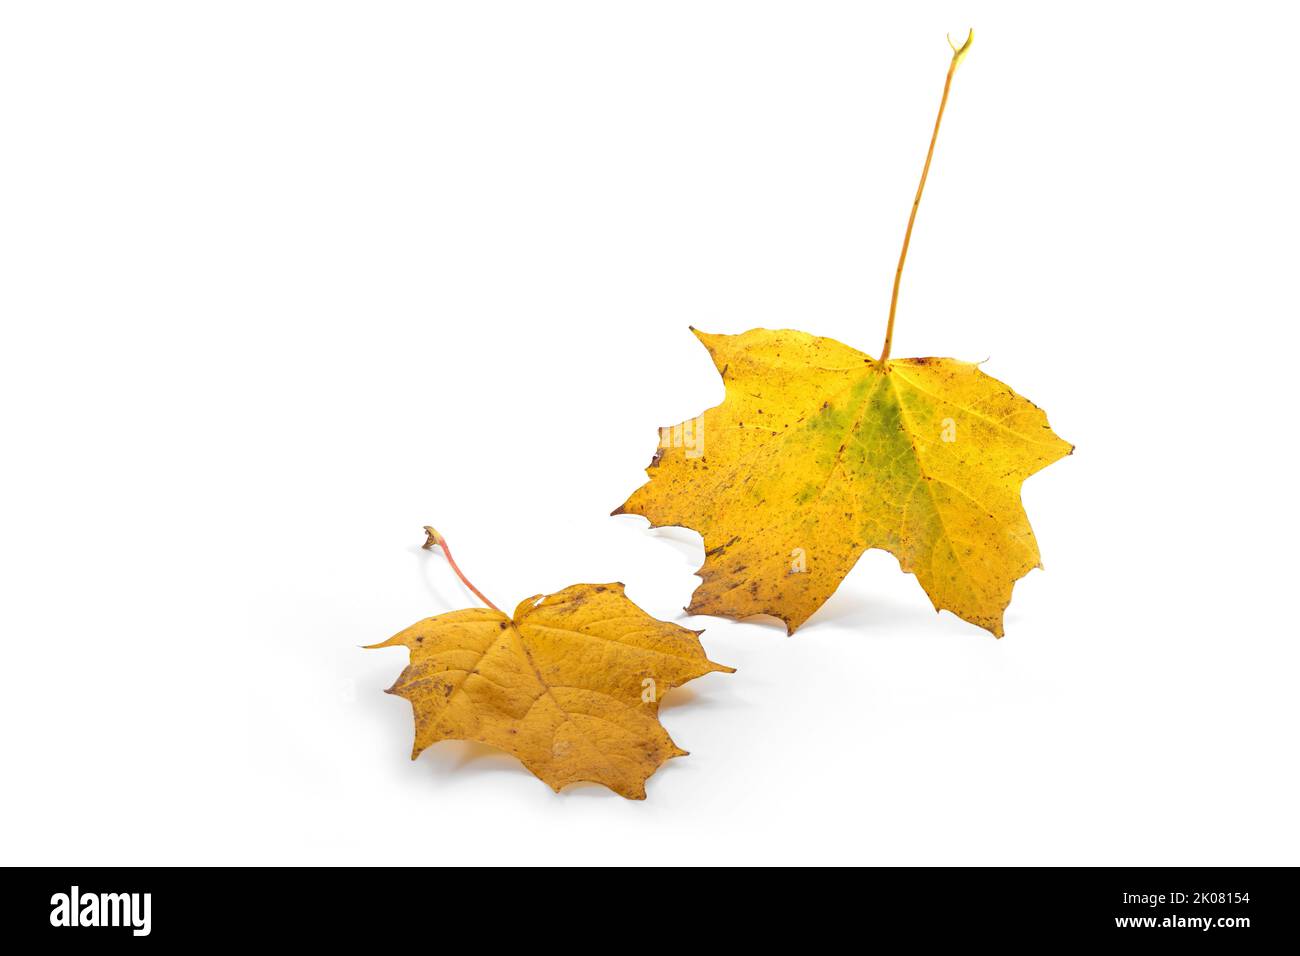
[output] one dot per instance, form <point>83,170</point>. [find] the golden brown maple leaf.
<point>570,684</point>
<point>819,452</point>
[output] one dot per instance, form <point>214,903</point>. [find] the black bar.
<point>1226,907</point>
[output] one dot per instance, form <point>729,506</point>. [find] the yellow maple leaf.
<point>819,452</point>
<point>569,684</point>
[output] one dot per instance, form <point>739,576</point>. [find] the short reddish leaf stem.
<point>958,54</point>
<point>437,540</point>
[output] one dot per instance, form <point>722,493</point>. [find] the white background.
<point>282,282</point>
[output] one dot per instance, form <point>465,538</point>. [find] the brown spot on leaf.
<point>720,548</point>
